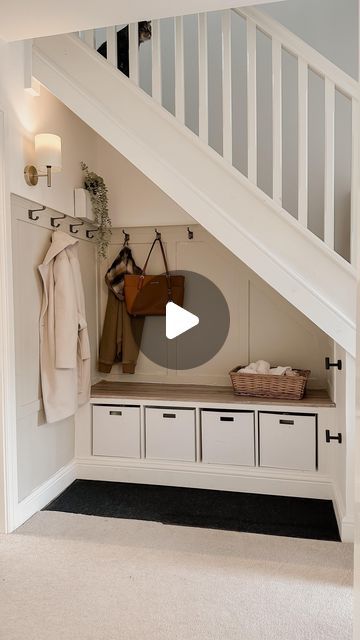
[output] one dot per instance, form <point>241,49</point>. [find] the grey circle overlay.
<point>201,343</point>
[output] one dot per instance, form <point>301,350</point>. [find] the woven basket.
<point>269,386</point>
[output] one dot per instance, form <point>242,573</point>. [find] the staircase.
<point>280,248</point>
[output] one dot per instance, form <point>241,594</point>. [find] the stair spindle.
<point>203,78</point>
<point>111,39</point>
<point>156,60</point>
<point>226,85</point>
<point>302,142</point>
<point>134,52</point>
<point>89,37</point>
<point>277,119</point>
<point>179,70</point>
<point>251,99</point>
<point>329,181</point>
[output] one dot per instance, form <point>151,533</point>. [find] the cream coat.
<point>64,339</point>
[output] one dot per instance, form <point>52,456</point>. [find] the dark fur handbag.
<point>148,295</point>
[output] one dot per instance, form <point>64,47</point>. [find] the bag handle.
<point>143,272</point>
<point>168,279</point>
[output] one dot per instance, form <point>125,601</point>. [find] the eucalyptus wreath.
<point>97,189</point>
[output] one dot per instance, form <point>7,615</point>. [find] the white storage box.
<point>288,441</point>
<point>228,437</point>
<point>116,431</point>
<point>170,434</point>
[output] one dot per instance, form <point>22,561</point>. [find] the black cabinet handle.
<point>286,421</point>
<point>115,413</point>
<point>169,415</point>
<point>329,437</point>
<point>226,419</point>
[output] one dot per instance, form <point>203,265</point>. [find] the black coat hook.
<point>57,224</point>
<point>72,226</point>
<point>90,233</point>
<point>126,237</point>
<point>190,233</point>
<point>158,235</point>
<point>31,211</point>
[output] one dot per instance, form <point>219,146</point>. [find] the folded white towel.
<point>279,371</point>
<point>262,367</point>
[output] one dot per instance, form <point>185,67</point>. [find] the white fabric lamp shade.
<point>48,152</point>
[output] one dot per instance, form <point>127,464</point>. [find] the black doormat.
<point>250,512</point>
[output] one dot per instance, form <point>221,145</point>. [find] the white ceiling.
<point>22,19</point>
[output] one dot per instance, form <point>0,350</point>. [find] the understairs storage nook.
<point>187,428</point>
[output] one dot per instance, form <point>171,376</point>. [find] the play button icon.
<point>205,312</point>
<point>178,320</point>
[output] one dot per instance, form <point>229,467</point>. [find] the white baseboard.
<point>46,492</point>
<point>187,475</point>
<point>345,522</point>
<point>306,485</point>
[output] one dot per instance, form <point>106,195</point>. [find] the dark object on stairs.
<point>123,45</point>
<point>227,510</point>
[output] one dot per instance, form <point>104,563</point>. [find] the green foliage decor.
<point>97,189</point>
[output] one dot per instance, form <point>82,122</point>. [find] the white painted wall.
<point>342,456</point>
<point>42,449</point>
<point>27,115</point>
<point>263,325</point>
<point>330,26</point>
<point>133,199</point>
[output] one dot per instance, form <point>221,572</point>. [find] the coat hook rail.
<point>90,233</point>
<point>31,211</point>
<point>190,233</point>
<point>126,237</point>
<point>158,234</point>
<point>72,227</point>
<point>56,224</point>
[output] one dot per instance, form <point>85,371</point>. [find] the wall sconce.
<point>48,159</point>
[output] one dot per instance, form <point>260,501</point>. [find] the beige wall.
<point>134,200</point>
<point>263,324</point>
<point>42,449</point>
<point>26,116</point>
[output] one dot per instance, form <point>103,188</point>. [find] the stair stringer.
<point>265,237</point>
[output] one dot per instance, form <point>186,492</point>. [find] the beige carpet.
<point>75,577</point>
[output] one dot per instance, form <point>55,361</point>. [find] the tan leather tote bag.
<point>148,295</point>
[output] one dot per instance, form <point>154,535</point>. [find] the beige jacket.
<point>64,339</point>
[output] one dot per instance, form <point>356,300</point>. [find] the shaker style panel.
<point>228,437</point>
<point>116,431</point>
<point>170,434</point>
<point>288,441</point>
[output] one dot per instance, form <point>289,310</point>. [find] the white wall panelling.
<point>42,449</point>
<point>263,325</point>
<point>8,463</point>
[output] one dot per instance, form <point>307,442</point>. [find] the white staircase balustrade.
<point>307,59</point>
<point>252,224</point>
